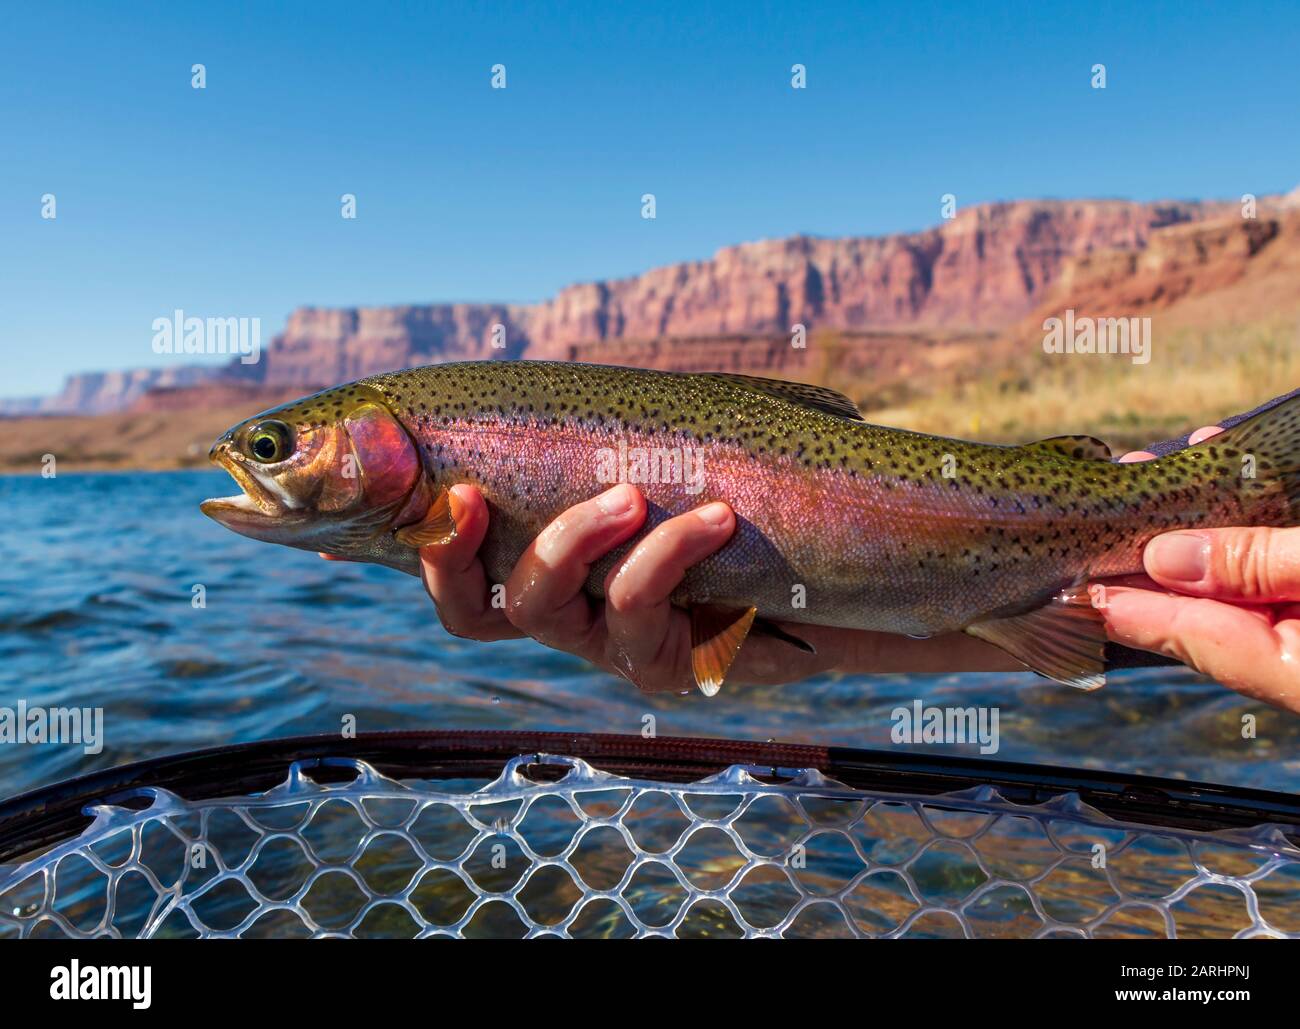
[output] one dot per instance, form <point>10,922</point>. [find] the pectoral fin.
<point>1064,639</point>
<point>437,526</point>
<point>716,636</point>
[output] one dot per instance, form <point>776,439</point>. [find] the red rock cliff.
<point>984,270</point>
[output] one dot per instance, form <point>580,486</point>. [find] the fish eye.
<point>270,442</point>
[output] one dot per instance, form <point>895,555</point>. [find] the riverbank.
<point>1001,391</point>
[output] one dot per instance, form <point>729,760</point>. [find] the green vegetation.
<point>1194,377</point>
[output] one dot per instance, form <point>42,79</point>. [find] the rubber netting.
<point>746,853</point>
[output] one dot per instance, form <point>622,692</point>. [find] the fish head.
<point>329,472</point>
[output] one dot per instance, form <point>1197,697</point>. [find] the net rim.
<point>567,778</point>
<point>50,814</point>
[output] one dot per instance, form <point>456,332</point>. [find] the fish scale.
<point>870,527</point>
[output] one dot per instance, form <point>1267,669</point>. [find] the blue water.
<point>96,586</point>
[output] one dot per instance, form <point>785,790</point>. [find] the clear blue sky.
<point>225,201</point>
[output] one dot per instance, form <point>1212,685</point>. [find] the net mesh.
<point>746,853</point>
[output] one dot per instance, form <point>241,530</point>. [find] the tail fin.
<point>1264,453</point>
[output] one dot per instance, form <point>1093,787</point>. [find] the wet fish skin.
<point>869,527</point>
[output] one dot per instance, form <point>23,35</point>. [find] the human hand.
<point>1224,601</point>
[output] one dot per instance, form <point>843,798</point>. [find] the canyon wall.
<point>983,270</point>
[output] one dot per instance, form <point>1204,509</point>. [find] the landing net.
<point>597,854</point>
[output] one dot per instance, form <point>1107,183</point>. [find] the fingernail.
<point>716,513</point>
<point>1183,556</point>
<point>616,501</point>
<point>455,506</point>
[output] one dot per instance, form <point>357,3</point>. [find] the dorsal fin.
<point>817,397</point>
<point>1077,448</point>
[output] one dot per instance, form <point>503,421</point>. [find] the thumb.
<point>1253,565</point>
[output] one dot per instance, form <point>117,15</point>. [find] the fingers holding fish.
<point>1253,565</point>
<point>544,594</point>
<point>648,576</point>
<point>649,640</point>
<point>1199,436</point>
<point>1252,649</point>
<point>454,576</point>
<point>1223,601</point>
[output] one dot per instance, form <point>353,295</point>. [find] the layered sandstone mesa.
<point>982,270</point>
<point>323,346</point>
<point>102,392</point>
<point>1224,270</point>
<point>217,395</point>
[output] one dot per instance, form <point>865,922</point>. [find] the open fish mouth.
<point>256,504</point>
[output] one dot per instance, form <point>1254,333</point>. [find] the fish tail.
<point>1262,454</point>
<point>1253,470</point>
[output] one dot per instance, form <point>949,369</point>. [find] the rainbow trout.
<point>839,522</point>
